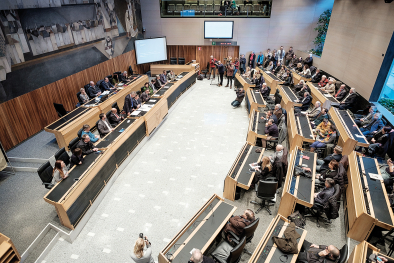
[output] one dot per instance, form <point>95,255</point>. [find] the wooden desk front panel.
<point>155,116</point>
<point>294,138</point>
<point>272,83</point>
<point>346,141</point>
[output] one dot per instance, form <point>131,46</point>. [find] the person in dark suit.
<point>304,89</point>
<point>349,101</point>
<point>265,90</point>
<point>158,83</point>
<point>271,130</point>
<point>322,164</point>
<point>86,145</point>
<point>123,77</point>
<point>341,93</point>
<point>328,191</point>
<point>312,253</point>
<point>145,97</point>
<point>288,79</point>
<point>106,85</point>
<point>93,90</point>
<point>197,256</point>
<point>306,102</point>
<point>278,111</point>
<point>130,104</point>
<point>317,76</point>
<point>114,119</point>
<point>269,115</point>
<point>237,224</point>
<point>277,69</point>
<point>76,157</point>
<point>103,125</point>
<point>309,60</point>
<point>163,77</point>
<point>374,126</point>
<point>258,79</point>
<point>221,73</point>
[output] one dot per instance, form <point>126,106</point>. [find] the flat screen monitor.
<point>218,29</point>
<point>150,50</point>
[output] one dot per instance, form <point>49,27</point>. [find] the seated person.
<point>377,141</point>
<point>60,172</point>
<point>322,164</point>
<point>293,61</point>
<point>114,118</point>
<point>86,130</point>
<point>86,145</point>
<point>374,258</point>
<point>289,78</point>
<point>306,71</point>
<point>258,79</point>
<point>158,83</point>
<point>373,127</point>
<point>328,191</point>
<point>278,112</point>
<point>265,90</point>
<point>106,85</point>
<point>323,82</point>
<point>93,90</point>
<point>269,67</point>
<point>312,253</point>
<point>271,130</point>
<point>298,69</point>
<point>330,87</point>
<point>304,89</point>
<point>163,77</point>
<point>317,76</point>
<point>145,97</point>
<point>281,71</point>
<point>103,126</point>
<point>247,73</point>
<point>322,115</point>
<point>306,102</point>
<point>341,93</point>
<point>240,97</point>
<point>277,69</point>
<point>83,96</point>
<point>388,183</point>
<point>264,171</point>
<point>76,157</point>
<point>198,257</point>
<point>147,87</point>
<point>138,99</point>
<point>237,224</point>
<point>349,101</point>
<point>152,85</point>
<point>331,172</point>
<point>123,77</point>
<point>323,128</point>
<point>365,120</point>
<point>322,142</point>
<point>315,111</point>
<point>299,86</point>
<point>279,150</point>
<point>170,75</point>
<point>269,115</point>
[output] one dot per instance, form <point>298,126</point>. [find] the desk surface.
<point>351,126</point>
<point>257,97</point>
<point>110,137</point>
<point>258,124</point>
<point>314,88</point>
<point>63,121</point>
<point>301,187</point>
<point>267,251</point>
<point>304,127</point>
<point>376,200</point>
<point>271,75</point>
<point>290,94</point>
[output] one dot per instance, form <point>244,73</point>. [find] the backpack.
<point>298,219</point>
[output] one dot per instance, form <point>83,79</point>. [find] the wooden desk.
<point>199,232</point>
<point>298,77</point>
<point>369,208</point>
<point>298,189</point>
<point>318,96</point>
<point>256,127</point>
<point>304,128</point>
<point>267,251</point>
<point>245,82</point>
<point>8,252</point>
<point>289,99</point>
<point>350,134</point>
<point>67,127</point>
<point>363,250</point>
<point>254,100</point>
<point>157,69</point>
<point>292,130</point>
<point>272,81</point>
<point>179,87</point>
<point>239,175</point>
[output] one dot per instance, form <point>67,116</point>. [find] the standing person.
<point>242,63</point>
<point>212,67</point>
<point>142,252</point>
<point>236,66</point>
<point>274,57</point>
<point>252,58</point>
<point>59,172</point>
<point>309,60</point>
<point>289,56</point>
<point>260,60</point>
<point>267,58</point>
<point>281,54</point>
<point>230,71</point>
<point>221,72</point>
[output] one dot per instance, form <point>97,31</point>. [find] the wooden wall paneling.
<point>223,53</point>
<point>203,56</point>
<point>187,52</point>
<point>172,52</point>
<point>6,135</point>
<point>216,52</point>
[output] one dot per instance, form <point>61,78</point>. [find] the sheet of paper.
<point>359,136</point>
<point>375,176</point>
<point>155,95</point>
<point>303,112</point>
<point>135,113</point>
<point>267,72</point>
<point>152,100</point>
<point>328,95</point>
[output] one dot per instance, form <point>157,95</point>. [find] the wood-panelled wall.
<point>28,114</point>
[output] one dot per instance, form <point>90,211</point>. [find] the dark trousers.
<point>221,78</point>
<point>230,79</point>
<point>212,70</point>
<point>303,254</point>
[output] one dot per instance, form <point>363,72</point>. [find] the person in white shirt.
<point>312,114</point>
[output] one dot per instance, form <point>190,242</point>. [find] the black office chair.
<point>73,144</point>
<point>266,191</point>
<point>61,111</point>
<point>79,133</point>
<point>79,98</point>
<point>110,78</point>
<point>115,105</point>
<point>45,173</point>
<point>173,61</point>
<point>63,156</point>
<point>86,87</point>
<point>248,234</point>
<point>116,75</point>
<point>131,70</point>
<point>181,61</point>
<point>225,253</point>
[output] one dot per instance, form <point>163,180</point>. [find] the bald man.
<point>198,257</point>
<point>315,254</point>
<point>115,118</point>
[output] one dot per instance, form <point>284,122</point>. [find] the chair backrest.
<point>73,144</point>
<point>61,111</point>
<point>344,161</point>
<point>343,252</point>
<point>278,99</point>
<point>86,87</point>
<point>173,61</point>
<point>45,172</point>
<point>131,70</point>
<point>79,133</point>
<point>171,7</point>
<point>256,7</point>
<point>62,155</point>
<point>179,7</point>
<point>79,98</point>
<point>115,105</point>
<point>266,189</point>
<point>181,61</point>
<point>250,229</point>
<point>236,252</point>
<point>107,114</point>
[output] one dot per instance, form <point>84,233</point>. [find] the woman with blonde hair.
<point>60,172</point>
<point>264,171</point>
<point>247,73</point>
<point>270,66</point>
<point>142,251</point>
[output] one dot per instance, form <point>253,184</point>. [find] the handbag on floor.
<point>298,219</point>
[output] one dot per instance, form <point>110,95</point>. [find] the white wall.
<point>291,24</point>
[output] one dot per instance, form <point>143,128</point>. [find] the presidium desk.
<point>362,251</point>
<point>73,196</point>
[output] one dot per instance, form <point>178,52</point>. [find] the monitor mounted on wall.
<point>218,29</point>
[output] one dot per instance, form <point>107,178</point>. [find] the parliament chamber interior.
<point>190,131</point>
